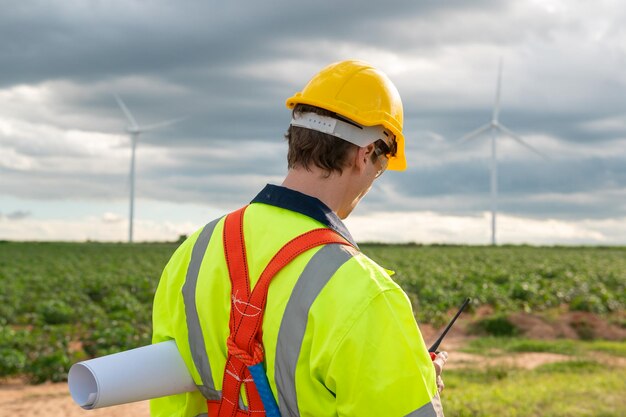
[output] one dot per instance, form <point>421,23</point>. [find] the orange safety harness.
<point>245,343</point>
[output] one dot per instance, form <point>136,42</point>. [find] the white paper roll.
<point>135,375</point>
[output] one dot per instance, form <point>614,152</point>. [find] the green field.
<point>509,278</point>
<point>62,302</point>
<point>565,389</point>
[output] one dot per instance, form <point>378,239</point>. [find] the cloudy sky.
<point>229,66</point>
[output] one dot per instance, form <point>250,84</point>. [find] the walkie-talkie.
<point>433,349</point>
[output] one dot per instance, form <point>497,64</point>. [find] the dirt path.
<point>53,400</point>
<point>526,360</point>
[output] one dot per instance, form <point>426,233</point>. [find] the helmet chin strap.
<point>358,135</point>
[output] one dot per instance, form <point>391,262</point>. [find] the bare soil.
<point>569,325</point>
<point>18,399</point>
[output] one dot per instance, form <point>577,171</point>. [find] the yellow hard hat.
<point>361,93</point>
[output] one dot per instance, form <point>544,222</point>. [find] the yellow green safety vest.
<point>339,335</point>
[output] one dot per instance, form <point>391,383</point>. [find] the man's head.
<point>346,126</point>
<point>310,144</point>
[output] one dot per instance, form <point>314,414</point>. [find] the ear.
<point>363,157</point>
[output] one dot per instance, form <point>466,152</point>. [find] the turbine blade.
<point>161,124</point>
<point>496,106</point>
<point>129,116</point>
<point>471,135</point>
<point>521,141</point>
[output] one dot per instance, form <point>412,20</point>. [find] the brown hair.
<point>312,148</point>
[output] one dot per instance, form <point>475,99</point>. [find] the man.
<point>338,335</point>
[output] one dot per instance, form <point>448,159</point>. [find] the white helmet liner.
<point>360,136</point>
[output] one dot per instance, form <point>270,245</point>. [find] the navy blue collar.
<point>286,198</point>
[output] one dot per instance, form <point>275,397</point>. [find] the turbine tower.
<point>134,130</point>
<point>493,127</point>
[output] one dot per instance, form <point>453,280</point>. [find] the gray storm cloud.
<point>229,68</point>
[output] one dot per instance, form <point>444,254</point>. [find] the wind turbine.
<point>134,130</point>
<point>494,126</point>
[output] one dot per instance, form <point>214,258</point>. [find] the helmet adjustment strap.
<point>355,134</point>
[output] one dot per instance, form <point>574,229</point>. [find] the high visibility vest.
<point>339,335</point>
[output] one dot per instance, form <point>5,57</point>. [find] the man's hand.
<point>439,363</point>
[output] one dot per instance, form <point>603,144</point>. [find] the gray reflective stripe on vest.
<point>196,340</point>
<point>314,277</point>
<point>427,410</point>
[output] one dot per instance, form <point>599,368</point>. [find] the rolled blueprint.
<point>134,375</point>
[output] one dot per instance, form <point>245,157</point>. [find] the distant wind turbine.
<point>495,126</point>
<point>134,130</point>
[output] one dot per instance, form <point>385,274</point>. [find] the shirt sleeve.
<point>382,366</point>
